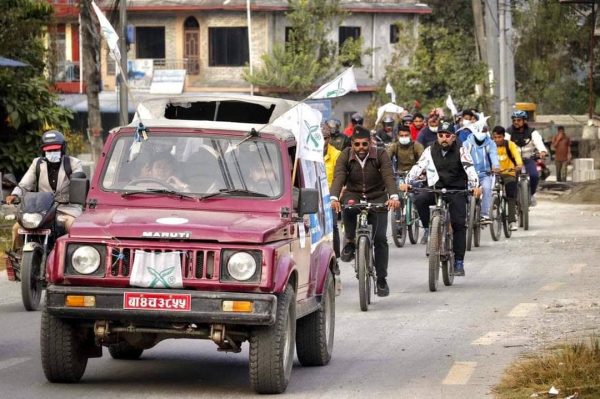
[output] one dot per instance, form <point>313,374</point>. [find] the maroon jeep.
<point>197,232</point>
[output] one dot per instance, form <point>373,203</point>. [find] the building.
<point>209,40</point>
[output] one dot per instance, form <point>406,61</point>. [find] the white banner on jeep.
<point>156,270</point>
<point>305,123</point>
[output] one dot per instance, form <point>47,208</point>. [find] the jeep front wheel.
<point>314,334</point>
<point>64,355</point>
<point>125,351</point>
<point>272,348</point>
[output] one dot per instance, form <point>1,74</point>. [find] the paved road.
<point>414,344</point>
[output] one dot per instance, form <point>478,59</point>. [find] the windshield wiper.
<point>157,191</point>
<point>234,191</point>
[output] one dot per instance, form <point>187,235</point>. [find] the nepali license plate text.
<point>156,301</point>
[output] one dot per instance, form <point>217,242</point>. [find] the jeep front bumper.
<point>204,306</point>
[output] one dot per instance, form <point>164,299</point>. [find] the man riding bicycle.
<point>405,151</point>
<point>529,141</point>
<point>510,162</point>
<point>450,166</point>
<point>366,172</point>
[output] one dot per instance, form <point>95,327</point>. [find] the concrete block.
<point>583,164</point>
<point>585,175</point>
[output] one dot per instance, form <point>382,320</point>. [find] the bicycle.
<point>405,219</point>
<point>474,225</point>
<point>364,259</point>
<point>440,244</point>
<point>523,198</point>
<point>499,211</point>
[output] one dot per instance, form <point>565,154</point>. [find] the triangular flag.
<point>451,106</point>
<point>341,85</point>
<point>390,90</point>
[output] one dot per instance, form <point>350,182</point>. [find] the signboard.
<point>321,223</point>
<point>321,105</point>
<point>139,73</point>
<point>168,81</point>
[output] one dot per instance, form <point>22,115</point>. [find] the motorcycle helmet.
<point>53,140</point>
<point>334,124</point>
<point>408,118</point>
<point>388,121</point>
<point>357,119</point>
<point>519,114</point>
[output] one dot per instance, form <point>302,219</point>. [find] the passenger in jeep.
<point>162,169</point>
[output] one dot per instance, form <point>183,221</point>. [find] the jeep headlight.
<point>85,260</point>
<point>241,266</point>
<point>31,220</point>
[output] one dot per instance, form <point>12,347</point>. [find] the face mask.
<point>480,136</point>
<point>433,128</point>
<point>52,156</point>
<point>465,122</point>
<point>404,140</point>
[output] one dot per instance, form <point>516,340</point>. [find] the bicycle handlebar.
<point>367,205</point>
<point>442,190</point>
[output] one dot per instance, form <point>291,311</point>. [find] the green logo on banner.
<point>340,91</point>
<point>312,132</point>
<point>161,277</point>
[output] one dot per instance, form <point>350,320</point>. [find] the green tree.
<point>308,58</point>
<point>551,57</point>
<point>442,60</point>
<point>27,107</point>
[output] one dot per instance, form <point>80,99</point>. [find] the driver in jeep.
<point>49,173</point>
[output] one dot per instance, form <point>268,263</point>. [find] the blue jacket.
<point>485,156</point>
<point>463,134</point>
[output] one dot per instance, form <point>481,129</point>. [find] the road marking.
<point>522,309</point>
<point>460,373</point>
<point>552,286</point>
<point>576,268</point>
<point>4,364</point>
<point>489,338</point>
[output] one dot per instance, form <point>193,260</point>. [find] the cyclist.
<point>405,152</point>
<point>510,162</point>
<point>417,124</point>
<point>529,141</point>
<point>49,173</point>
<point>428,135</point>
<point>355,120</point>
<point>366,172</point>
<point>448,165</point>
<point>485,159</point>
<point>385,135</point>
<point>468,117</point>
<point>330,157</point>
<point>338,140</point>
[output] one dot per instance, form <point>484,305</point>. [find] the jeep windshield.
<point>203,166</point>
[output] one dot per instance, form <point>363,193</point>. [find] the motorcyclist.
<point>529,141</point>
<point>338,140</point>
<point>355,120</point>
<point>51,173</point>
<point>386,134</point>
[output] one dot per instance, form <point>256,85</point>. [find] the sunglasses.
<point>445,135</point>
<point>361,144</point>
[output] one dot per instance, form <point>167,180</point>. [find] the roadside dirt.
<point>582,193</point>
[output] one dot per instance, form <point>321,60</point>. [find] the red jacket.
<point>414,132</point>
<point>349,130</point>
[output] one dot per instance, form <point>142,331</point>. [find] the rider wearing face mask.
<point>484,152</point>
<point>49,173</point>
<point>405,151</point>
<point>468,117</point>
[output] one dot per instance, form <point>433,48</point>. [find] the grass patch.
<point>570,368</point>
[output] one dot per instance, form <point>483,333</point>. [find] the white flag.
<point>305,123</point>
<point>111,37</point>
<point>390,90</point>
<point>156,270</point>
<point>451,106</point>
<point>389,108</point>
<point>341,85</point>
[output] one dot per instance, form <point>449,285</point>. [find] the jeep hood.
<point>196,225</point>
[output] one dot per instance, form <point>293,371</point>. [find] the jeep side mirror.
<point>308,202</point>
<point>78,189</point>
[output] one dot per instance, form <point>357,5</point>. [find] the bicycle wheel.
<point>448,258</point>
<point>413,230</point>
<point>471,221</point>
<point>477,225</point>
<point>363,257</point>
<point>505,224</point>
<point>524,200</point>
<point>496,218</point>
<point>398,225</point>
<point>435,245</point>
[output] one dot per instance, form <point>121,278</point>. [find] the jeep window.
<point>195,164</point>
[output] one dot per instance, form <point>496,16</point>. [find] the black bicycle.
<point>364,260</point>
<point>523,201</point>
<point>499,211</point>
<point>440,244</point>
<point>405,219</point>
<point>474,225</point>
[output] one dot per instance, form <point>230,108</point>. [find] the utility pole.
<point>591,77</point>
<point>493,49</point>
<point>123,105</point>
<point>503,81</point>
<point>479,30</point>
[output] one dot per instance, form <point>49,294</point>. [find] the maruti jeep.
<point>195,226</point>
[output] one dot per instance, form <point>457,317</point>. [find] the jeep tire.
<point>125,351</point>
<point>314,332</point>
<point>64,353</point>
<point>272,348</point>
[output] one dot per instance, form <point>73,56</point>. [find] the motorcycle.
<point>37,222</point>
<point>542,169</point>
